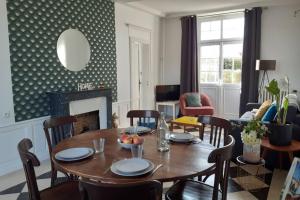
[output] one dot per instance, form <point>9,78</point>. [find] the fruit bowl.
<point>126,141</point>
<point>124,145</point>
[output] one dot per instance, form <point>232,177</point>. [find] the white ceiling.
<point>177,7</point>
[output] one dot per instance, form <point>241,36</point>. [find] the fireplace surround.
<point>80,102</point>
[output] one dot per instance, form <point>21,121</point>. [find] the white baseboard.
<point>10,136</point>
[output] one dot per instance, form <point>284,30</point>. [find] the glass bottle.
<point>163,134</point>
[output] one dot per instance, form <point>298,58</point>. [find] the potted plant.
<point>280,132</point>
<point>251,137</point>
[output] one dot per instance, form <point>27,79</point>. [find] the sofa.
<point>206,108</point>
<point>293,116</point>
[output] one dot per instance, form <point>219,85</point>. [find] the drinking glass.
<point>137,150</point>
<point>99,145</point>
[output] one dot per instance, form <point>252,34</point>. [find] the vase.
<point>251,152</point>
<point>280,135</point>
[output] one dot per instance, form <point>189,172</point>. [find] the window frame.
<point>221,42</point>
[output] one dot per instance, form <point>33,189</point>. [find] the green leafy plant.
<point>274,90</point>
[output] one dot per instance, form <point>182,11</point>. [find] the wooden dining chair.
<point>149,190</point>
<point>219,129</point>
<point>62,191</point>
<point>56,130</point>
<point>144,117</point>
<point>189,189</point>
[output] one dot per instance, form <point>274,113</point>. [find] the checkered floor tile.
<point>10,189</point>
<point>235,188</point>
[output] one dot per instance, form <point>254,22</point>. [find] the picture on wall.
<point>291,189</point>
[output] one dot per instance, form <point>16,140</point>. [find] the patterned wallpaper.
<point>34,27</point>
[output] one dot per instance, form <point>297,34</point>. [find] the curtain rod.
<point>236,11</point>
<point>220,13</point>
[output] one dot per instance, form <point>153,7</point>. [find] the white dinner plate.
<point>132,165</point>
<point>138,173</point>
<point>73,154</point>
<point>181,137</point>
<point>139,129</point>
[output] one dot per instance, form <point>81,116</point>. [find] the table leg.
<point>201,132</point>
<point>291,156</point>
<point>174,107</point>
<point>264,153</point>
<point>171,127</point>
<point>280,160</point>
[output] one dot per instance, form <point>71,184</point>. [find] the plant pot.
<point>251,153</point>
<point>280,135</point>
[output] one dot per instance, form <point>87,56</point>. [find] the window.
<point>220,49</point>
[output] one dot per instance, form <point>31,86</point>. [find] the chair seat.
<point>191,190</point>
<point>63,191</point>
<point>195,111</point>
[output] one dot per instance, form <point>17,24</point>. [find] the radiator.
<point>265,95</point>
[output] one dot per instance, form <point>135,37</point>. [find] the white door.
<point>135,82</point>
<point>140,70</point>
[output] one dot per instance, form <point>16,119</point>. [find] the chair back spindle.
<point>144,116</point>
<point>91,190</point>
<point>29,161</point>
<point>56,130</point>
<point>219,128</point>
<point>221,157</point>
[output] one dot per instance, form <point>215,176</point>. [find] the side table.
<point>173,104</point>
<point>241,162</point>
<point>290,149</point>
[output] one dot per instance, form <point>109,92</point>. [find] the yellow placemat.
<point>187,120</point>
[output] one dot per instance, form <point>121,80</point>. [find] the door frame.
<point>143,36</point>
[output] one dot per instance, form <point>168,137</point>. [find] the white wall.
<point>281,42</point>
<point>172,51</point>
<point>128,15</point>
<point>6,96</point>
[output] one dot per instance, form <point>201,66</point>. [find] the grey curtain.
<point>189,55</point>
<point>251,52</point>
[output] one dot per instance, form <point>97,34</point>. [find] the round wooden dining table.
<point>181,162</point>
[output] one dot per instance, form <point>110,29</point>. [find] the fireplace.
<point>83,104</point>
<point>87,122</point>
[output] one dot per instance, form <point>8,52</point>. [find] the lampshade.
<point>265,65</point>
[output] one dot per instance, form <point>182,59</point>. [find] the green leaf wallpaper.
<point>34,27</point>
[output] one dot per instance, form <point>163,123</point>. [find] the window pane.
<point>209,77</point>
<point>209,58</point>
<point>232,63</point>
<point>227,63</point>
<point>209,63</point>
<point>210,30</point>
<point>236,76</point>
<point>233,28</point>
<point>227,76</point>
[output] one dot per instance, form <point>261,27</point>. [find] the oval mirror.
<point>73,50</point>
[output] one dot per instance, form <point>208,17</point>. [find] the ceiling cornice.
<point>144,8</point>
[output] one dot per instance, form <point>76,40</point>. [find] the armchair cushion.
<point>205,109</point>
<point>193,100</point>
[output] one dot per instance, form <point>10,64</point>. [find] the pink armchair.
<point>205,109</point>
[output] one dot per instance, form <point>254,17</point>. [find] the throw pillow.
<point>193,100</point>
<point>262,109</point>
<point>270,114</point>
